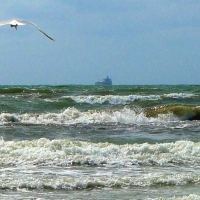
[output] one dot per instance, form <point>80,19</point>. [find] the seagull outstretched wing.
<point>18,22</point>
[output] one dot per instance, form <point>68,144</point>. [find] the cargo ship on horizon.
<point>105,81</point>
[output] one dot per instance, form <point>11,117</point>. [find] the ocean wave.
<point>30,156</point>
<point>28,89</point>
<point>183,112</point>
<point>119,99</point>
<point>179,95</point>
<point>112,99</point>
<point>74,116</point>
<point>188,197</point>
<point>84,182</point>
<point>126,115</point>
<point>33,158</point>
<point>44,152</point>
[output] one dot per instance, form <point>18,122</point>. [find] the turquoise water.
<point>94,142</point>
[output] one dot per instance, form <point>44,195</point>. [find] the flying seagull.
<point>17,22</point>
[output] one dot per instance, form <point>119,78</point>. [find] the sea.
<point>100,142</point>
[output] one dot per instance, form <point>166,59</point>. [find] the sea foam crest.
<point>74,116</point>
<point>87,182</point>
<point>118,99</point>
<point>189,197</point>
<point>65,152</point>
<point>112,99</point>
<point>179,95</point>
<point>43,152</point>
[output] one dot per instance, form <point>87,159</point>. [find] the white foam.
<point>74,116</point>
<point>64,152</point>
<point>179,95</point>
<point>112,99</point>
<point>189,197</point>
<point>126,99</point>
<point>89,182</point>
<point>27,155</point>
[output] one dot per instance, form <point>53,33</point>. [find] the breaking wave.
<point>55,153</point>
<point>81,182</point>
<point>135,115</point>
<point>74,116</point>
<point>112,99</point>
<point>183,112</point>
<point>189,197</point>
<point>179,95</point>
<point>47,152</point>
<point>119,99</point>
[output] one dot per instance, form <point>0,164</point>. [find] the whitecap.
<point>112,99</point>
<point>179,95</point>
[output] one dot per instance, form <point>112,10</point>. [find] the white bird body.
<point>17,22</point>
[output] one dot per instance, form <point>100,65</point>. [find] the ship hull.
<point>102,83</point>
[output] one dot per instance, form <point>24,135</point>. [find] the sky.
<point>134,42</point>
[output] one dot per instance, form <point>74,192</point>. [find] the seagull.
<point>17,22</point>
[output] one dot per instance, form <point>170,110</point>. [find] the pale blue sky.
<point>132,41</point>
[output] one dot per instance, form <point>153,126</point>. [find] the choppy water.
<point>94,142</point>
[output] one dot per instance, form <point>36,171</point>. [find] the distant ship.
<point>105,81</point>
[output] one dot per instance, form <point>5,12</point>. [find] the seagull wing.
<point>5,22</point>
<point>12,22</point>
<point>26,22</point>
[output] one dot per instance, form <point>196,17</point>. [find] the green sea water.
<point>95,142</point>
